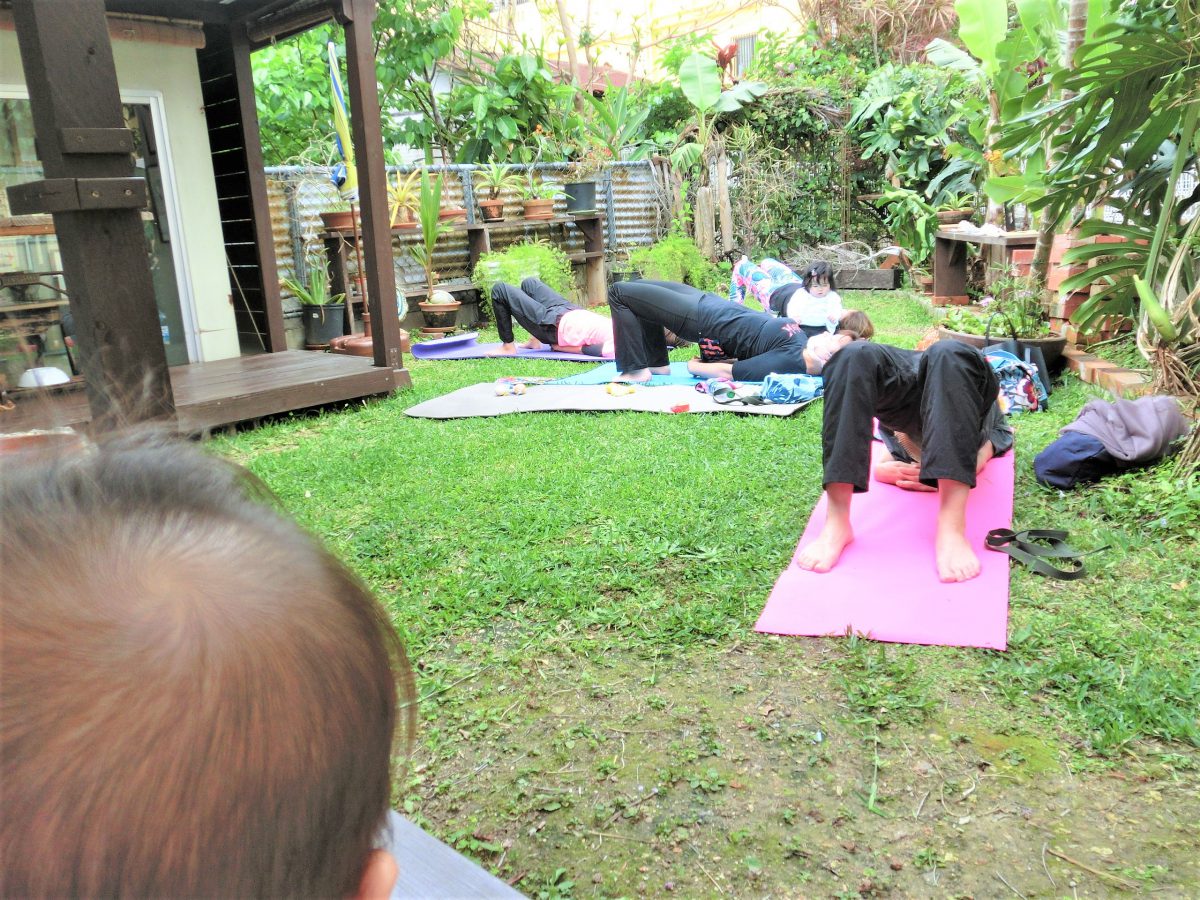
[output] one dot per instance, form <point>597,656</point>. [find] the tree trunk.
<point>724,208</point>
<point>1039,269</point>
<point>704,231</point>
<point>572,54</point>
<point>995,212</point>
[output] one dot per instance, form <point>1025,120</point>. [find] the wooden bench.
<point>950,259</point>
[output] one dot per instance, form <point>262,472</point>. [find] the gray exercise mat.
<point>429,868</point>
<point>481,400</point>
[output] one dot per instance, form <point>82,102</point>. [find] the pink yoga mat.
<point>885,586</point>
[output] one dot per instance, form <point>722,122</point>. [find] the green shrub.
<point>677,258</point>
<point>535,259</point>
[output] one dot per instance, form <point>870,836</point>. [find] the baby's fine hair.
<point>198,699</point>
<point>817,271</point>
<point>857,323</point>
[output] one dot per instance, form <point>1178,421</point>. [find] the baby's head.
<point>818,278</point>
<point>198,698</point>
<point>857,322</point>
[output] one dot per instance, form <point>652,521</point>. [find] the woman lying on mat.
<point>941,400</point>
<point>735,342</point>
<point>550,319</point>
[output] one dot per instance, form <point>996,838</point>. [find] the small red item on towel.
<point>682,407</point>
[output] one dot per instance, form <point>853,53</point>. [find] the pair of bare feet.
<point>641,376</point>
<point>511,349</point>
<point>956,559</point>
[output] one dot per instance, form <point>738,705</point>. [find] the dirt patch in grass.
<point>752,771</point>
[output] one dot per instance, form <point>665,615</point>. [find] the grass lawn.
<point>598,719</point>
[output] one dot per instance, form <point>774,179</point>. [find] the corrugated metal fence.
<point>629,198</point>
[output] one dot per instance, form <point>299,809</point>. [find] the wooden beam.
<point>172,9</point>
<point>357,17</point>
<point>257,183</point>
<point>72,82</point>
<point>142,30</point>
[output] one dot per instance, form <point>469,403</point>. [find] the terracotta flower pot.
<point>954,216</point>
<point>338,220</point>
<point>539,209</point>
<point>492,210</point>
<point>440,315</point>
<point>452,214</point>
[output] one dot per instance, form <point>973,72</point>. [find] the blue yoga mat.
<point>608,372</point>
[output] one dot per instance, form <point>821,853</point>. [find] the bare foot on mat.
<point>823,553</point>
<point>637,376</point>
<point>956,561</point>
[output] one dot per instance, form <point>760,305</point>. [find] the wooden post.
<point>357,16</point>
<point>72,81</point>
<point>595,284</point>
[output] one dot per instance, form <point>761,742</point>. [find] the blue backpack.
<point>1021,387</point>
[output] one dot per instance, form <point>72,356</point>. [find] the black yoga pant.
<point>939,398</point>
<point>536,307</point>
<point>641,310</point>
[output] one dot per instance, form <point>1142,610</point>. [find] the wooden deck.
<point>210,395</point>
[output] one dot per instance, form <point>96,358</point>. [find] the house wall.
<point>171,73</point>
<point>629,36</point>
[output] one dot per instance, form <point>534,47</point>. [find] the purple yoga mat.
<point>886,585</point>
<point>466,346</point>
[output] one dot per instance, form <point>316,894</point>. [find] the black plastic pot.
<point>322,324</point>
<point>581,196</point>
<point>626,275</point>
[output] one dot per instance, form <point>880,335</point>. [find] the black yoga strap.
<point>1019,545</point>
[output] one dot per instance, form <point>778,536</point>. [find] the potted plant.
<point>956,208</point>
<point>538,198</point>
<point>1015,311</point>
<point>448,214</point>
<point>319,156</point>
<point>512,265</point>
<point>495,179</point>
<point>403,200</point>
<point>621,269</point>
<point>338,218</point>
<point>580,191</point>
<point>439,308</point>
<point>323,315</point>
